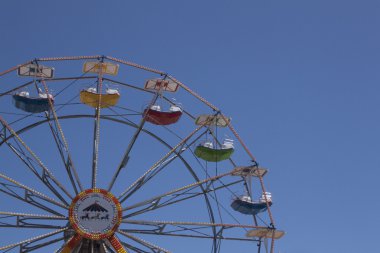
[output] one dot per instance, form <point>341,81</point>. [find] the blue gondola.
<point>245,205</point>
<point>23,102</point>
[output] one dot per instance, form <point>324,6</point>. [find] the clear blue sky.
<point>299,78</point>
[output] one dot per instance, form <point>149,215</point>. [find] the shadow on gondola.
<point>245,205</point>
<point>23,101</point>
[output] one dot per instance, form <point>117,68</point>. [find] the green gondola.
<point>210,154</point>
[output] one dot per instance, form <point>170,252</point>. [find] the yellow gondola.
<point>91,98</point>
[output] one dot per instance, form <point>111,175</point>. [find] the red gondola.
<point>155,116</point>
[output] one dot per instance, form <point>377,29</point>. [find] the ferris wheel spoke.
<point>116,244</point>
<point>61,143</point>
<point>96,138</point>
<point>28,191</point>
<point>31,215</point>
<point>71,244</point>
<point>155,200</point>
<point>145,243</point>
<point>175,198</point>
<point>125,158</point>
<point>29,241</point>
<point>34,247</point>
<point>29,163</point>
<point>65,157</point>
<point>45,173</point>
<point>166,224</point>
<point>22,220</point>
<point>107,247</point>
<point>27,198</point>
<point>29,226</point>
<point>149,176</point>
<point>122,197</point>
<point>133,248</point>
<point>160,167</point>
<point>198,230</point>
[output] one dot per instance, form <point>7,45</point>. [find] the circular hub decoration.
<point>95,214</point>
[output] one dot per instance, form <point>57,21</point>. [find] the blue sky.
<point>299,79</point>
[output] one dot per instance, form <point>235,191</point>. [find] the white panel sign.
<point>105,67</point>
<point>159,84</point>
<point>217,120</point>
<point>36,70</point>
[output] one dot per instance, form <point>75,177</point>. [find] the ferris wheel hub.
<point>95,214</point>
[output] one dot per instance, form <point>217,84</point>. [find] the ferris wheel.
<point>99,154</point>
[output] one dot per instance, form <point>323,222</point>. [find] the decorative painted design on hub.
<point>95,214</point>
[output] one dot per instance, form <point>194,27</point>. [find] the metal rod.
<point>95,156</point>
<point>14,68</point>
<point>158,162</point>
<point>144,242</point>
<point>125,158</point>
<point>41,195</point>
<point>180,223</point>
<point>131,64</point>
<point>33,239</point>
<point>69,164</point>
<point>154,199</point>
<point>29,215</point>
<point>50,174</point>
